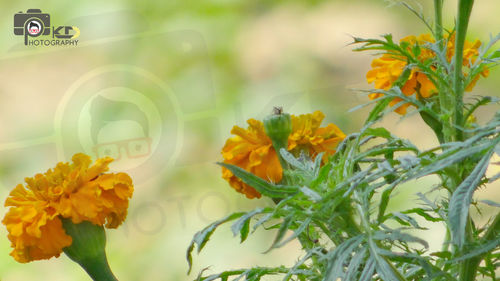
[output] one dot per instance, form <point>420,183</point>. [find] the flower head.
<point>78,191</point>
<point>388,68</point>
<point>307,134</point>
<point>252,150</point>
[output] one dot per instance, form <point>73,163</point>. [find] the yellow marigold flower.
<point>79,191</point>
<point>389,67</point>
<point>252,150</point>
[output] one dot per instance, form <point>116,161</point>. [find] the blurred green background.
<point>179,75</point>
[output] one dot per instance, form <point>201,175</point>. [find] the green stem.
<point>446,132</point>
<point>438,14</point>
<point>463,16</point>
<point>467,267</point>
<point>98,269</point>
<point>446,245</point>
<point>469,270</point>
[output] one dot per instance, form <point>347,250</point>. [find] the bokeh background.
<point>175,76</point>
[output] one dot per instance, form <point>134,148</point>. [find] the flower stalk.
<point>463,16</point>
<point>445,99</point>
<point>88,249</point>
<point>438,14</point>
<point>468,267</point>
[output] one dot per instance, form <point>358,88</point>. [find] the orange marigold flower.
<point>79,191</point>
<point>252,150</point>
<point>307,134</point>
<point>389,67</point>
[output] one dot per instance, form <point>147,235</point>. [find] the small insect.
<point>277,110</point>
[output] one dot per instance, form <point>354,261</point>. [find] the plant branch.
<point>445,97</point>
<point>469,272</point>
<point>438,18</point>
<point>494,229</point>
<point>463,16</point>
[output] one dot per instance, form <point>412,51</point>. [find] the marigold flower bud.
<point>278,126</point>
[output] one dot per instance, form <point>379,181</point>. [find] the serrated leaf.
<point>290,159</point>
<point>353,268</point>
<point>388,38</point>
<point>242,225</point>
<point>384,201</point>
<point>396,235</point>
<point>461,199</point>
<point>479,102</point>
<point>497,149</point>
<point>478,250</point>
<point>317,164</point>
<point>322,175</point>
<point>491,203</point>
<point>378,132</point>
<point>189,256</point>
<point>384,268</point>
<point>408,161</point>
<point>404,44</point>
<point>252,274</point>
<point>375,114</point>
<point>368,270</point>
<point>339,256</point>
<point>244,231</point>
<point>386,166</point>
<point>450,158</point>
<point>423,213</point>
<point>495,55</point>
<point>442,254</point>
<point>435,125</point>
<point>416,50</point>
<point>295,234</point>
<point>262,186</point>
<point>311,194</point>
<point>387,271</point>
<point>411,221</point>
<point>300,263</point>
<point>262,220</point>
<point>494,177</point>
<point>284,227</point>
<point>201,237</point>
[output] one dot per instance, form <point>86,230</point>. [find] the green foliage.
<point>345,230</point>
<point>339,209</point>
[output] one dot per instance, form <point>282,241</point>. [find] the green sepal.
<point>278,126</point>
<point>88,249</point>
